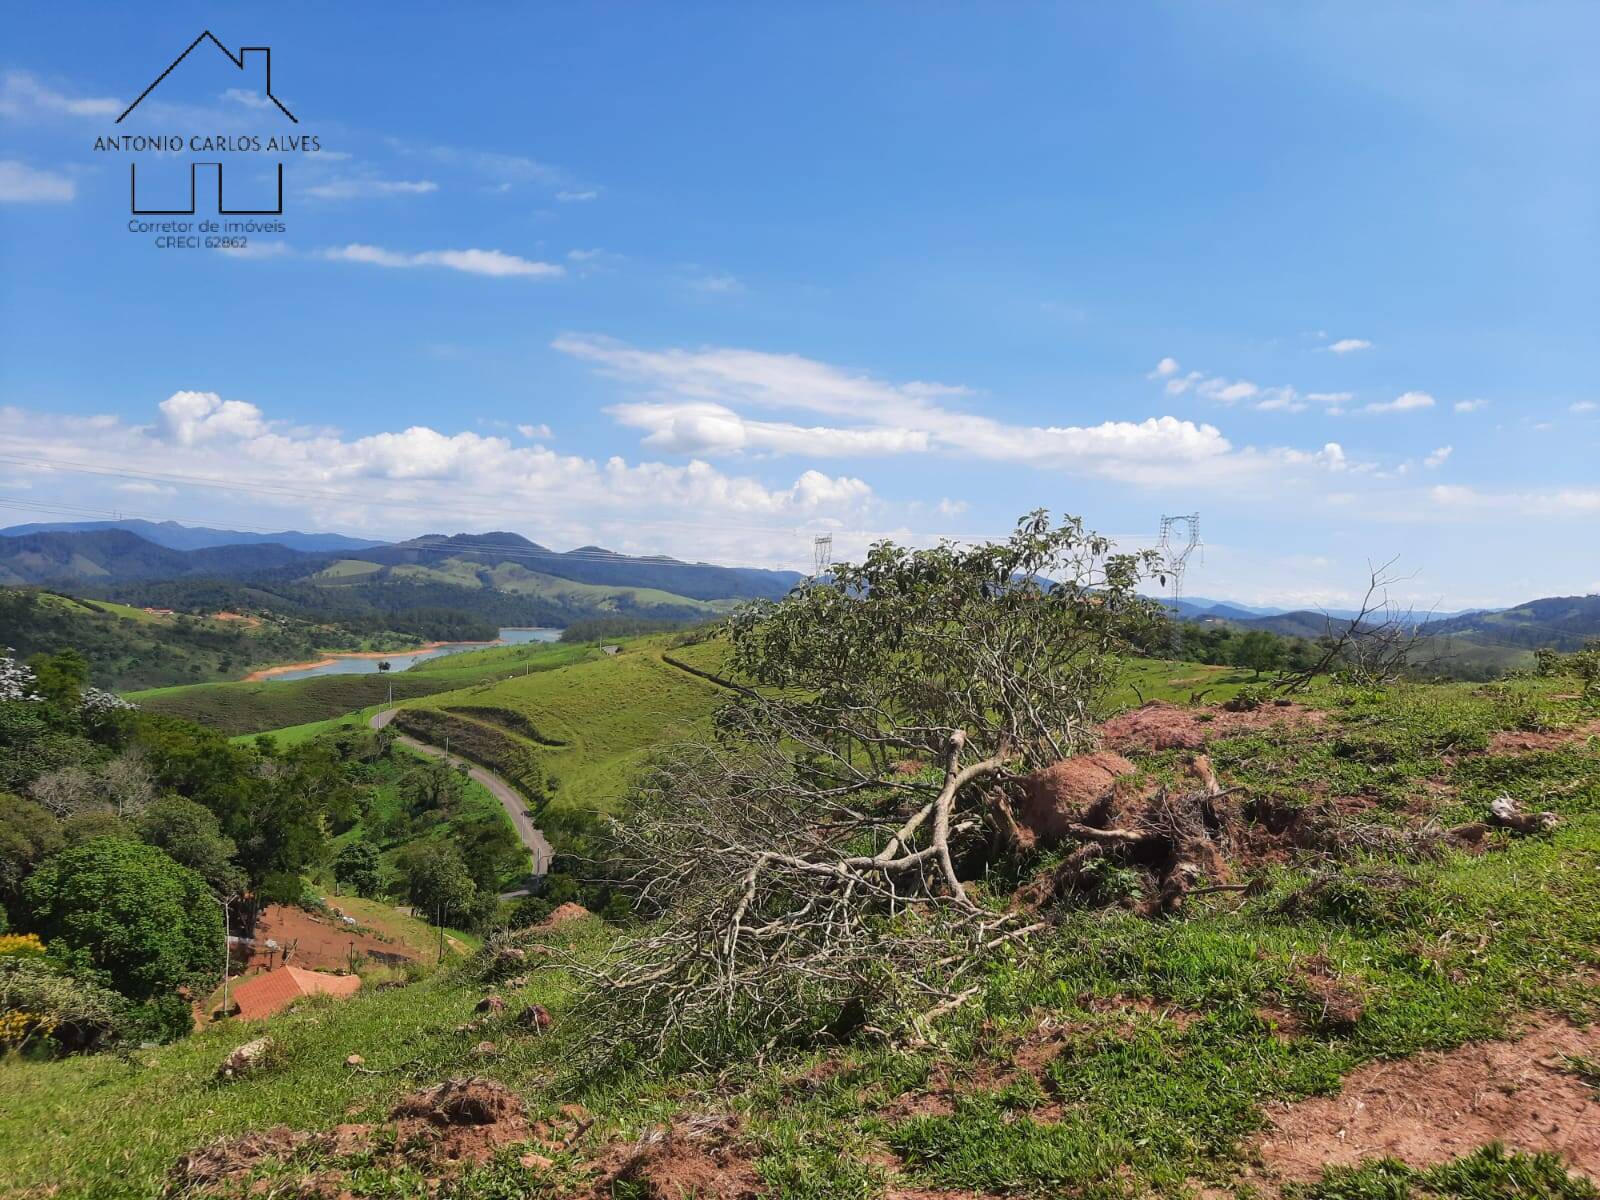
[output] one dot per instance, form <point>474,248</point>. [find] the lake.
<point>353,665</point>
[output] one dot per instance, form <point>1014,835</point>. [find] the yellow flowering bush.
<point>20,945</point>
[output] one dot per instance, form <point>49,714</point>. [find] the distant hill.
<point>1559,622</point>
<point>192,537</point>
<point>115,554</point>
<point>594,564</point>
<point>499,578</point>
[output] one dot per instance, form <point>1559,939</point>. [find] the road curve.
<point>510,799</point>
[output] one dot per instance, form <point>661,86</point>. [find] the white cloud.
<point>475,262</point>
<point>355,189</point>
<point>701,428</point>
<point>1550,502</point>
<point>951,508</point>
<point>581,196</point>
<point>267,473</point>
<point>1349,345</point>
<point>534,433</point>
<point>1470,406</point>
<point>1227,392</point>
<point>1405,402</point>
<point>248,97</point>
<point>1178,385</point>
<point>22,184</point>
<point>1584,406</point>
<point>694,397</point>
<point>1164,369</point>
<point>1338,399</point>
<point>1438,457</point>
<point>22,95</point>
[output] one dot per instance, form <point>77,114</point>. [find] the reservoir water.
<point>353,665</point>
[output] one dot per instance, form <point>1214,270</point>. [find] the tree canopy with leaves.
<point>808,861</point>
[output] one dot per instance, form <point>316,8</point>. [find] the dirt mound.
<point>1438,1106</point>
<point>562,914</point>
<point>462,1119</point>
<point>234,1158</point>
<point>701,1157</point>
<point>1063,793</point>
<point>1162,726</point>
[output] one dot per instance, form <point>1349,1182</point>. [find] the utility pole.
<point>227,950</point>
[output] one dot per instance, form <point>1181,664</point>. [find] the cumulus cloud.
<point>1438,457</point>
<point>22,95</point>
<point>1583,406</point>
<point>189,418</point>
<point>1405,402</point>
<point>474,262</point>
<point>696,402</point>
<point>227,459</point>
<point>360,189</point>
<point>22,184</point>
<point>1164,369</point>
<point>1470,406</point>
<point>1349,345</point>
<point>534,432</point>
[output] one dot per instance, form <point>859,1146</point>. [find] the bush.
<point>40,1002</point>
<point>130,911</point>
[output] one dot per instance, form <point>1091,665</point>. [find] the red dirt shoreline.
<point>268,672</point>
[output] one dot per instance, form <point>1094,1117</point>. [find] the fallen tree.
<point>816,868</point>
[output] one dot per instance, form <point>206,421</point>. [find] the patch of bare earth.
<point>1517,741</point>
<point>704,1157</point>
<point>1162,726</point>
<point>1438,1106</point>
<point>454,1124</point>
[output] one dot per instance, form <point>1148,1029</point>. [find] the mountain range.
<point>190,537</point>
<point>507,578</point>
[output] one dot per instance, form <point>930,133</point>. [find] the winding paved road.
<point>510,799</point>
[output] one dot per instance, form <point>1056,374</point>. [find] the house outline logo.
<point>238,60</point>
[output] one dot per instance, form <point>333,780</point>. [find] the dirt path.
<point>510,799</point>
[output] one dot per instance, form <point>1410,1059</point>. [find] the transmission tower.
<point>1179,537</point>
<point>822,553</point>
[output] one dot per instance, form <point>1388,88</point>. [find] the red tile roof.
<point>276,990</point>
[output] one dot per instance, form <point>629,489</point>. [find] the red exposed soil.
<point>1516,741</point>
<point>1162,726</point>
<point>1438,1106</point>
<point>460,1122</point>
<point>317,943</point>
<point>562,914</point>
<point>1060,794</point>
<point>699,1157</point>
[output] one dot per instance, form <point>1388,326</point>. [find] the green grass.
<point>242,708</point>
<point>609,713</point>
<point>1486,1174</point>
<point>1168,1044</point>
<point>604,598</point>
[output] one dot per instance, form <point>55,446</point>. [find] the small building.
<point>274,991</point>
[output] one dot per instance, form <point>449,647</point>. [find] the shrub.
<point>131,911</point>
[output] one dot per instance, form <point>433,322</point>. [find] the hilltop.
<point>1118,1048</point>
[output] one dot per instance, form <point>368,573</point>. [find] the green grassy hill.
<point>1115,1056</point>
<point>247,708</point>
<point>594,722</point>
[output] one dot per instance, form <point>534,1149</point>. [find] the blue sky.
<point>711,279</point>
